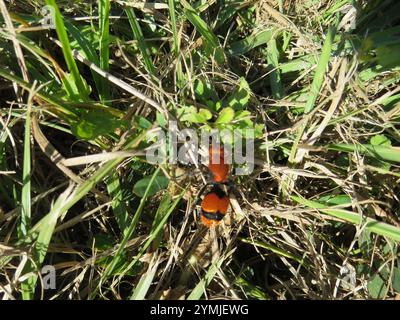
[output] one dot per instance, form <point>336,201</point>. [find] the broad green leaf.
<point>225,116</point>
<point>377,287</point>
<point>205,92</point>
<point>239,99</point>
<point>205,113</point>
<point>142,122</point>
<point>95,123</point>
<point>396,277</point>
<point>191,114</point>
<point>242,114</point>
<point>161,119</point>
<point>103,241</point>
<point>160,183</point>
<point>199,88</point>
<point>388,56</point>
<point>380,140</point>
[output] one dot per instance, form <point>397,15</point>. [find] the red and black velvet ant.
<point>215,203</point>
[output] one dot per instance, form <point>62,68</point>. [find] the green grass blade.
<point>200,288</point>
<point>66,49</point>
<point>212,45</point>
<point>104,51</point>
<point>372,225</point>
<point>162,210</point>
<point>375,151</point>
<point>145,281</point>
<point>277,250</point>
<point>154,233</point>
<point>118,204</point>
<point>137,31</point>
<point>320,71</point>
<point>89,184</point>
<point>254,40</point>
<point>176,42</point>
<point>88,50</point>
<point>26,178</point>
<point>28,288</point>
<point>43,235</point>
<point>298,64</point>
<point>316,85</point>
<point>110,268</point>
<point>228,10</point>
<point>274,76</point>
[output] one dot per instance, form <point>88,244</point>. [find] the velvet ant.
<point>216,202</point>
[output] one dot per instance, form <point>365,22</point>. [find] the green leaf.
<point>396,277</point>
<point>28,286</point>
<point>95,123</point>
<point>239,99</point>
<point>383,141</point>
<point>225,116</point>
<point>377,287</point>
<point>26,178</point>
<point>259,131</point>
<point>190,114</point>
<point>272,53</point>
<point>251,42</point>
<point>205,92</point>
<point>380,140</point>
<point>199,290</point>
<point>43,232</point>
<point>103,241</point>
<point>161,119</point>
<point>227,11</point>
<point>388,56</point>
<point>243,114</point>
<point>205,113</point>
<point>160,183</point>
<point>115,190</point>
<point>198,87</point>
<point>142,122</point>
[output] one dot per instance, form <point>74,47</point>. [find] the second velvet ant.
<point>215,203</point>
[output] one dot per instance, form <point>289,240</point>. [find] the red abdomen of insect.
<point>217,166</point>
<point>214,206</point>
